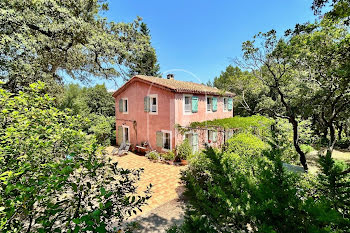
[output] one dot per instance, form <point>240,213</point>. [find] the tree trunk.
<point>332,137</point>
<point>296,143</point>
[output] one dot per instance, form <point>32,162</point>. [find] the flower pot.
<point>170,162</point>
<point>183,162</point>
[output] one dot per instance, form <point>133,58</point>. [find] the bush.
<point>170,156</point>
<point>306,148</point>
<point>53,177</point>
<point>103,128</point>
<point>153,155</point>
<point>228,192</point>
<point>335,185</point>
<point>343,143</point>
<point>245,144</point>
<point>184,150</point>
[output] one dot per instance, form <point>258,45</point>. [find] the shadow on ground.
<point>161,218</point>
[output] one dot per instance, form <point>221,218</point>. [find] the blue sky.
<point>196,39</point>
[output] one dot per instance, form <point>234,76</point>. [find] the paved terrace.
<point>165,206</point>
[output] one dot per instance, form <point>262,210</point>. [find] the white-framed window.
<point>192,139</point>
<point>225,102</point>
<point>166,140</point>
<point>125,105</point>
<point>211,136</point>
<point>228,134</point>
<point>187,104</point>
<point>126,134</point>
<point>209,104</point>
<point>153,108</point>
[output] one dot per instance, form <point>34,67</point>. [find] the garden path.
<point>165,205</point>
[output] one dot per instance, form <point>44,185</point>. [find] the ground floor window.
<point>166,141</point>
<point>126,135</point>
<point>212,136</point>
<point>193,140</point>
<point>163,139</point>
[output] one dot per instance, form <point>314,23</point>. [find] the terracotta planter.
<point>183,162</point>
<point>170,162</point>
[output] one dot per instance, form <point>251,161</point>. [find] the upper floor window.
<point>209,104</point>
<point>188,103</point>
<point>151,104</point>
<point>123,105</point>
<point>225,104</point>
<point>212,104</point>
<point>154,104</point>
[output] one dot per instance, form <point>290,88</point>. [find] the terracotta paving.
<point>165,179</point>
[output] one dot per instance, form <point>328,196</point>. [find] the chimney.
<point>170,76</point>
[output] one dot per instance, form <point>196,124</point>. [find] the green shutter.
<point>215,104</point>
<point>230,104</point>
<point>120,135</point>
<point>159,137</point>
<point>120,105</point>
<point>194,104</point>
<point>146,103</point>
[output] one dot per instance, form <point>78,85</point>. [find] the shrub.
<point>228,192</point>
<point>184,150</point>
<point>153,155</point>
<point>170,156</point>
<point>53,178</point>
<point>245,144</point>
<point>335,184</point>
<point>343,143</point>
<point>102,127</point>
<point>306,148</point>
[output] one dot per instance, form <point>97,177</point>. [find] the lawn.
<point>312,158</point>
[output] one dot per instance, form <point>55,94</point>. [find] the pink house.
<point>149,108</point>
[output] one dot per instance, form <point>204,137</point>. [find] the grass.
<point>312,159</point>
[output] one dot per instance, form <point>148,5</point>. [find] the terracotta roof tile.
<point>179,86</point>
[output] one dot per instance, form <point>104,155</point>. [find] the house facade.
<point>149,108</point>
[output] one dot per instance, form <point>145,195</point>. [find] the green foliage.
<point>184,150</point>
<point>246,144</point>
<point>231,192</point>
<point>335,184</point>
<point>146,64</point>
<point>48,40</point>
<point>153,155</point>
<point>53,177</point>
<point>103,128</point>
<point>247,87</point>
<point>170,156</point>
<point>95,103</point>
<point>256,124</point>
<point>343,143</point>
<point>306,148</point>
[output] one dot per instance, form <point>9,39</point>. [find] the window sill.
<point>153,113</point>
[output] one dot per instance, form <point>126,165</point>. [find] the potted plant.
<point>153,155</point>
<point>169,157</point>
<point>184,150</point>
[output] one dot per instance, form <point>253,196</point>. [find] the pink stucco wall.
<point>147,124</point>
<point>170,112</point>
<point>185,119</point>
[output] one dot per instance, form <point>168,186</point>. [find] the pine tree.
<point>148,63</point>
